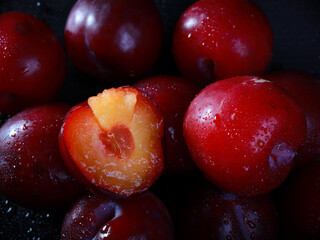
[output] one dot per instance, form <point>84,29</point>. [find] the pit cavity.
<point>118,140</point>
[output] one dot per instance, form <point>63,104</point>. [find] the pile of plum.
<point>220,150</point>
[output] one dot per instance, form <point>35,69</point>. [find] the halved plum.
<point>113,143</point>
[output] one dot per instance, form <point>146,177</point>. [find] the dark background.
<point>296,27</point>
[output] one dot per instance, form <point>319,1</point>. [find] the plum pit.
<point>118,140</point>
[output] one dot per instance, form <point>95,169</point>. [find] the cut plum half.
<point>113,143</point>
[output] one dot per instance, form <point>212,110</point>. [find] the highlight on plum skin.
<point>142,216</point>
<point>209,213</point>
<point>173,95</point>
<point>114,40</point>
<point>306,91</point>
<point>32,65</point>
<point>32,171</point>
<point>112,144</point>
<point>243,134</point>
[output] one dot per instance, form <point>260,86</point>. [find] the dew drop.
<point>252,236</point>
<point>251,224</point>
<point>260,143</point>
<point>228,237</point>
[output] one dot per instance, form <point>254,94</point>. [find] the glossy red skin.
<point>306,91</point>
<point>32,65</point>
<point>218,39</point>
<point>173,96</point>
<point>32,171</point>
<point>140,217</point>
<point>299,206</point>
<point>122,42</point>
<point>71,161</point>
<point>243,133</point>
<point>209,213</point>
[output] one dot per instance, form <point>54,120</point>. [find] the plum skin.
<point>142,216</point>
<point>306,91</point>
<point>32,171</point>
<point>299,204</point>
<point>217,39</point>
<point>243,134</point>
<point>114,40</point>
<point>209,213</point>
<point>33,65</point>
<point>173,95</point>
